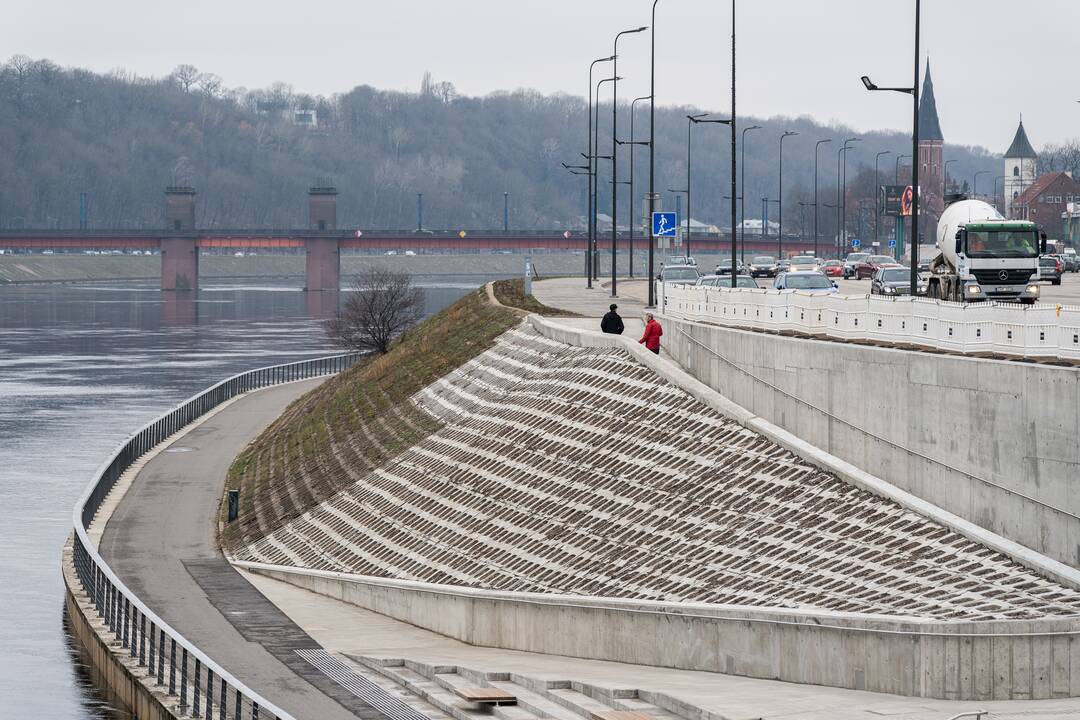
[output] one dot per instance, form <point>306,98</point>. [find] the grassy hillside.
<point>355,421</point>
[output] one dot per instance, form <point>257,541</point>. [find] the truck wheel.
<point>1027,301</point>
<point>1056,281</point>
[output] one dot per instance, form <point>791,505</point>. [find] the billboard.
<point>895,200</point>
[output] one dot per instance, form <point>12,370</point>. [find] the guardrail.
<point>174,662</point>
<point>1030,331</point>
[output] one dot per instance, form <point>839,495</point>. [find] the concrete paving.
<point>161,541</point>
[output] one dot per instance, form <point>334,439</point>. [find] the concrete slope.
<point>578,471</point>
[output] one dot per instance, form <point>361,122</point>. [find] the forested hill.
<point>122,138</point>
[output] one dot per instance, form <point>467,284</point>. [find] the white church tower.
<point>1020,168</point>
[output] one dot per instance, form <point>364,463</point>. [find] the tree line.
<point>122,138</point>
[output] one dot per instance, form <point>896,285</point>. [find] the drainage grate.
<point>383,701</point>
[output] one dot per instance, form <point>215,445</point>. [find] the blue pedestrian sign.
<point>664,224</point>
<point>855,243</point>
<point>892,243</point>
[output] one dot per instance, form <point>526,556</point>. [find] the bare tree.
<point>185,76</point>
<point>383,305</point>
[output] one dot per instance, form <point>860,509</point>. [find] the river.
<point>81,367</point>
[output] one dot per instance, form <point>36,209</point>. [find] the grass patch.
<point>512,293</point>
<point>355,421</point>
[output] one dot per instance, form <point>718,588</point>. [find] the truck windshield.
<point>1002,243</point>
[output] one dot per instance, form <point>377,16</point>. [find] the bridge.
<point>322,242</point>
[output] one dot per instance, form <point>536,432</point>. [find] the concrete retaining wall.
<point>113,672</point>
<point>995,442</point>
<point>956,661</point>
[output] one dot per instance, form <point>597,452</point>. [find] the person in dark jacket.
<point>653,331</point>
<point>612,323</point>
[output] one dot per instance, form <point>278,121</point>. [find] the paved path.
<point>160,540</point>
<point>572,294</point>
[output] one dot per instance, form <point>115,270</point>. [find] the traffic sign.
<point>855,243</point>
<point>664,224</point>
<point>892,243</point>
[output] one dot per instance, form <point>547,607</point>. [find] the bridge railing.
<point>174,663</point>
<point>1030,331</point>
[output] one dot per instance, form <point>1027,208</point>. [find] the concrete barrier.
<point>992,441</point>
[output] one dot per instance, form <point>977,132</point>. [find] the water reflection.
<point>81,367</point>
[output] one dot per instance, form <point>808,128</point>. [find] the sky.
<point>991,59</point>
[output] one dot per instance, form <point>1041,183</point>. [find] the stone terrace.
<point>579,471</point>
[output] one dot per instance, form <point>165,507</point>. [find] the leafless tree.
<point>185,76</point>
<point>384,303</point>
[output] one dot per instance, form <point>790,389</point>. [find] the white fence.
<point>1035,331</point>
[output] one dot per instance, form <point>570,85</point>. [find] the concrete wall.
<point>956,661</point>
<point>112,670</point>
<point>994,442</point>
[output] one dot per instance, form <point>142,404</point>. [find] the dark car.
<point>763,266</point>
<point>868,266</point>
<point>1051,268</point>
<point>724,267</point>
<point>741,281</point>
<point>893,281</point>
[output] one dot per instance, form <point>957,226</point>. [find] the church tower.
<point>931,142</point>
<point>1021,162</point>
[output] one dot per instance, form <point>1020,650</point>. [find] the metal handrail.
<point>123,613</point>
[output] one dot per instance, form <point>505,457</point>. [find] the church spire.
<point>929,127</point>
<point>1021,146</point>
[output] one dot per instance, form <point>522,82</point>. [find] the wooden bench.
<point>618,715</point>
<point>485,696</point>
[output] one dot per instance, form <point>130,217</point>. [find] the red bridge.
<point>179,243</point>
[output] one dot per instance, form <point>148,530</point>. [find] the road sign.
<point>855,243</point>
<point>664,224</point>
<point>892,243</point>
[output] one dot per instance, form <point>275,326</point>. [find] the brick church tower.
<point>931,168</point>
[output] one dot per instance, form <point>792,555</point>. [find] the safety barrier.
<point>174,663</point>
<point>1030,331</point>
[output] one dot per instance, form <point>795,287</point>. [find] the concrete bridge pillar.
<point>323,264</point>
<point>179,264</point>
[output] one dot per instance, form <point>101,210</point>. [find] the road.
<point>1067,293</point>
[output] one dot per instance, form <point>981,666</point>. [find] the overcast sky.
<point>991,59</point>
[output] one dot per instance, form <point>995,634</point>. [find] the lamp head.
<point>869,85</point>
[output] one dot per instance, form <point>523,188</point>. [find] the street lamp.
<point>945,179</point>
<point>592,177</point>
<point>839,189</point>
<point>780,188</point>
<point>692,120</point>
<point>633,142</point>
<point>843,200</point>
<point>614,151</point>
<point>742,194</point>
<point>896,174</point>
<point>596,177</point>
<point>975,182</point>
<point>419,212</point>
<point>817,146</point>
<point>506,212</point>
<point>914,92</point>
<point>652,154</point>
<point>877,203</point>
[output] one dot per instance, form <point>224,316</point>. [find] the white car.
<point>809,281</point>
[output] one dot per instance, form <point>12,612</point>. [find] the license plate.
<point>1003,289</point>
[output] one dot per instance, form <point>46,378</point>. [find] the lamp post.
<point>615,153</point>
<point>975,182</point>
<point>596,177</point>
<point>780,189</point>
<point>945,179</point>
<point>419,212</point>
<point>692,120</point>
<point>839,189</point>
<point>843,197</point>
<point>1002,178</point>
<point>506,212</point>
<point>742,193</point>
<point>652,155</point>
<point>817,146</point>
<point>633,143</point>
<point>914,92</point>
<point>592,177</point>
<point>731,124</point>
<point>877,189</point>
<point>896,174</point>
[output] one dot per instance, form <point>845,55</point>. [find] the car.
<point>809,281</point>
<point>1069,263</point>
<point>762,266</point>
<point>724,267</point>
<point>805,262</point>
<point>680,260</point>
<point>871,264</point>
<point>894,281</point>
<point>851,261</point>
<point>833,268</point>
<point>724,281</point>
<point>783,266</point>
<point>687,274</point>
<point>1074,259</point>
<point>1050,268</point>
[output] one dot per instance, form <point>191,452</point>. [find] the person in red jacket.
<point>653,331</point>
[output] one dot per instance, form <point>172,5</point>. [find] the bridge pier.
<point>323,271</point>
<point>179,264</point>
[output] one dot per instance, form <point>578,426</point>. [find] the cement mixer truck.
<point>982,256</point>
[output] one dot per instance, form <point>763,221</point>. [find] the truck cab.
<point>999,260</point>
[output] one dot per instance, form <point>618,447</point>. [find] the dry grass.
<point>512,293</point>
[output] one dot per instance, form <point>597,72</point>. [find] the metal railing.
<point>175,664</point>
<point>1031,331</point>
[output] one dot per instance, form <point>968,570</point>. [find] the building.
<point>931,150</point>
<point>1021,163</point>
<point>1070,219</point>
<point>1046,201</point>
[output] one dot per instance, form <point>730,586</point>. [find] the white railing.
<point>1033,331</point>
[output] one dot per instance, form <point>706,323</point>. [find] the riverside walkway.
<point>161,541</point>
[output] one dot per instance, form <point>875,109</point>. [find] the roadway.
<point>1067,293</point>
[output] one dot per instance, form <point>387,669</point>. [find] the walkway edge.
<point>669,370</point>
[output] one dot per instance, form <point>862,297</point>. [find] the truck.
<point>982,256</point>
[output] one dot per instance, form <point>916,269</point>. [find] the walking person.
<point>653,331</point>
<point>612,323</point>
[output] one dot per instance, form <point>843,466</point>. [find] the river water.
<point>81,367</point>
